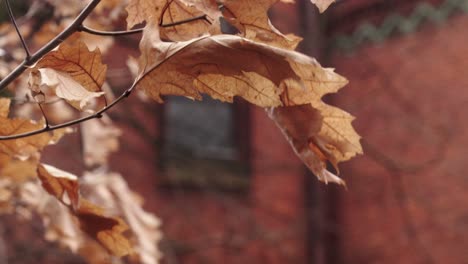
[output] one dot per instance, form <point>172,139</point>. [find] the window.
<point>205,144</point>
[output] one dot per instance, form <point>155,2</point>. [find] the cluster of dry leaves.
<point>183,52</point>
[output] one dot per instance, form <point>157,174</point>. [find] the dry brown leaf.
<point>18,170</point>
<point>6,196</point>
<point>64,87</point>
<point>66,8</point>
<point>108,231</point>
<point>140,11</point>
<point>109,6</point>
<point>251,19</point>
<point>26,147</point>
<point>181,10</point>
<point>95,42</point>
<point>166,12</point>
<point>76,66</point>
<point>4,107</point>
<point>58,220</point>
<point>323,4</point>
<point>111,188</point>
<point>74,57</point>
<point>225,66</point>
<point>319,134</point>
<point>100,138</point>
<point>60,223</point>
<point>61,184</point>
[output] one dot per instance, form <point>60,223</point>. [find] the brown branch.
<point>72,28</point>
<point>88,30</point>
<point>75,26</point>
<point>188,20</point>
<point>92,31</point>
<point>177,23</point>
<point>49,128</point>
<point>13,21</point>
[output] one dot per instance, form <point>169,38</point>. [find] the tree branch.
<point>166,7</point>
<point>188,20</point>
<point>72,28</point>
<point>49,128</point>
<point>13,21</point>
<point>86,29</point>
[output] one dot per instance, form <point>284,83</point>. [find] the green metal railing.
<point>397,24</point>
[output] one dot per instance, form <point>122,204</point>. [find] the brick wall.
<point>406,201</point>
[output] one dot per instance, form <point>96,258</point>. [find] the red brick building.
<point>406,62</point>
<point>405,202</point>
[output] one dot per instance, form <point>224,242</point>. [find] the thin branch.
<point>44,115</point>
<point>13,20</point>
<point>72,28</point>
<point>49,128</point>
<point>86,29</point>
<point>166,7</point>
<point>92,31</point>
<point>188,20</point>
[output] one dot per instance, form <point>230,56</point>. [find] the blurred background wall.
<point>406,62</point>
<point>232,190</point>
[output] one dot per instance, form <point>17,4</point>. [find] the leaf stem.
<point>13,20</point>
<point>72,28</point>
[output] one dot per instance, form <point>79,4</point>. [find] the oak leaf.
<point>64,86</point>
<point>59,223</point>
<point>61,184</point>
<point>111,188</point>
<point>319,133</point>
<point>26,147</point>
<point>6,196</point>
<point>224,66</point>
<point>251,19</point>
<point>78,73</point>
<point>322,5</point>
<point>100,138</point>
<point>108,231</point>
<point>93,221</point>
<point>168,12</point>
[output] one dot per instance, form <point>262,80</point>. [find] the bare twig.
<point>13,20</point>
<point>86,29</point>
<point>72,28</point>
<point>166,7</point>
<point>49,128</point>
<point>75,26</point>
<point>44,115</point>
<point>188,20</point>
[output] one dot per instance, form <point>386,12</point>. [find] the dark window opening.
<point>205,144</point>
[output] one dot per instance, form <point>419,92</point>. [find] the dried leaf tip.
<point>322,5</point>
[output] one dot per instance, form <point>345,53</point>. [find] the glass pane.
<point>198,129</point>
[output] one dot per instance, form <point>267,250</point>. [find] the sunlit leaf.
<point>164,13</point>
<point>26,147</point>
<point>225,66</point>
<point>93,220</point>
<point>323,4</point>
<point>251,19</point>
